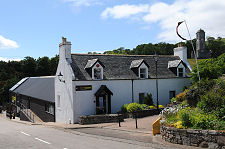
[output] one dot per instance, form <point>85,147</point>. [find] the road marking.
<point>42,141</point>
<point>24,133</point>
<point>65,148</point>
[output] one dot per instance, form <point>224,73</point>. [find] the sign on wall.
<point>84,88</point>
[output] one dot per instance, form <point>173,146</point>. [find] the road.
<point>22,136</point>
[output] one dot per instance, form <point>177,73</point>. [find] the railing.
<point>27,113</point>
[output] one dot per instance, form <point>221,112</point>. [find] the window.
<point>49,109</point>
<point>97,73</point>
<point>141,98</point>
<point>172,94</point>
<point>180,72</point>
<point>58,101</point>
<point>143,73</point>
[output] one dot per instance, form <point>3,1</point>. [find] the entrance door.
<point>103,100</point>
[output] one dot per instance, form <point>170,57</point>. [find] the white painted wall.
<point>122,92</point>
<point>64,113</point>
<point>182,53</point>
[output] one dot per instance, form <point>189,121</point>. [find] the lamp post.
<point>156,58</point>
<point>60,77</point>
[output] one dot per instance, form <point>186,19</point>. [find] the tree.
<point>29,66</point>
<point>43,66</point>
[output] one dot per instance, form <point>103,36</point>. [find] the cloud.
<point>124,11</point>
<point>9,59</point>
<point>79,3</point>
<point>7,43</point>
<point>206,14</point>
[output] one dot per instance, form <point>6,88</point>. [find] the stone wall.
<point>95,119</point>
<point>193,137</point>
<point>142,113</point>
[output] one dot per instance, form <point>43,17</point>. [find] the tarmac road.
<point>15,135</point>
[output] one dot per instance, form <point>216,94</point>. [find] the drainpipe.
<point>132,82</point>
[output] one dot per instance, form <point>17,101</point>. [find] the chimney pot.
<point>63,39</point>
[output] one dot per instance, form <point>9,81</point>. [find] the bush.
<point>144,107</point>
<point>133,107</point>
<point>148,100</point>
<point>181,97</point>
<point>152,107</point>
<point>124,108</point>
<point>161,107</point>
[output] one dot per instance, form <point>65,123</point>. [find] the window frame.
<point>180,73</point>
<point>97,66</point>
<point>49,108</point>
<point>141,101</point>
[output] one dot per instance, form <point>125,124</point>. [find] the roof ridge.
<point>119,55</point>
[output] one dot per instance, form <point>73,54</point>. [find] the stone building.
<point>201,51</point>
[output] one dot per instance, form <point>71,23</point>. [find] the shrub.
<point>144,107</point>
<point>124,108</point>
<point>152,107</point>
<point>173,100</point>
<point>203,121</point>
<point>133,107</point>
<point>161,107</point>
<point>180,97</point>
<point>185,116</point>
<point>178,125</point>
<point>148,100</point>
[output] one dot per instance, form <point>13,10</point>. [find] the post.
<point>157,92</point>
<point>119,119</point>
<point>135,114</point>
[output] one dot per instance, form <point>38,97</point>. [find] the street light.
<point>156,58</point>
<point>60,77</point>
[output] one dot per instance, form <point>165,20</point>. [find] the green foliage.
<point>173,100</point>
<point>133,107</point>
<point>124,108</point>
<point>144,107</point>
<point>152,107</point>
<point>197,90</point>
<point>148,100</point>
<point>209,68</point>
<point>13,71</point>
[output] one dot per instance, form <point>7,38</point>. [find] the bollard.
<point>119,119</point>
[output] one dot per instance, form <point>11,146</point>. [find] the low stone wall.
<point>142,113</point>
<point>193,137</point>
<point>95,119</point>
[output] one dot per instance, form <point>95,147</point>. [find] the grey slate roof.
<point>174,63</point>
<point>38,87</point>
<point>136,63</point>
<point>90,63</point>
<point>18,84</point>
<point>118,66</point>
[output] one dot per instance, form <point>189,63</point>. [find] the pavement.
<point>127,131</point>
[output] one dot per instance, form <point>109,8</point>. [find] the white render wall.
<point>122,92</point>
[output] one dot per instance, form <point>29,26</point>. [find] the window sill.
<point>49,113</point>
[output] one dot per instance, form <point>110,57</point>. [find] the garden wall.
<point>95,119</point>
<point>193,137</point>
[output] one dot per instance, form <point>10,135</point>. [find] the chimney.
<point>181,51</point>
<point>65,50</point>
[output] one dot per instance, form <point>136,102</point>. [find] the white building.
<point>92,84</point>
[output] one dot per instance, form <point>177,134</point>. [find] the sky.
<point>36,27</point>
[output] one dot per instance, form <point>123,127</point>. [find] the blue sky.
<point>35,27</point>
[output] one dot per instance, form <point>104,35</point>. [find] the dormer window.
<point>143,73</point>
<point>140,68</point>
<point>180,72</point>
<point>95,68</point>
<point>177,67</point>
<point>97,73</point>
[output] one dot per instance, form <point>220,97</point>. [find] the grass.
<point>192,62</point>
